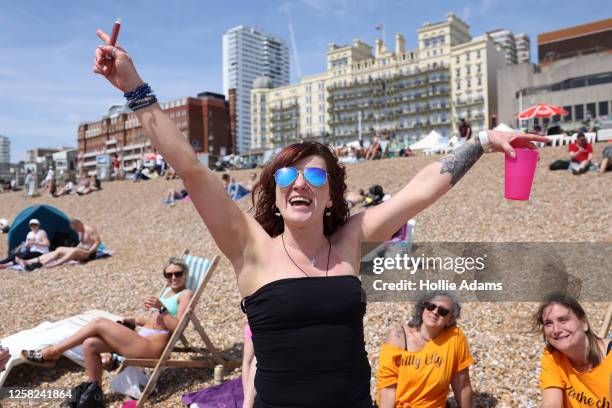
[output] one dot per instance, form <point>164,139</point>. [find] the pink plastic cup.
<point>519,174</point>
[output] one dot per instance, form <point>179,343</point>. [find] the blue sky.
<point>46,48</point>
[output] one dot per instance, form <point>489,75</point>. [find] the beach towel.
<point>228,395</point>
<point>46,334</point>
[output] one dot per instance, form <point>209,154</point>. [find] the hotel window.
<point>479,81</point>
<point>458,85</point>
<point>467,70</point>
<point>321,119</point>
<point>579,112</point>
<point>590,108</point>
<point>478,54</point>
<point>457,60</point>
<point>467,56</point>
<point>458,72</point>
<point>468,83</point>
<point>603,108</point>
<point>568,117</point>
<point>478,67</point>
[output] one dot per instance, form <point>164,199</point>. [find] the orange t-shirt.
<point>587,389</point>
<point>422,378</point>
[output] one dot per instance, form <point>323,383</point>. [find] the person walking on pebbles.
<point>297,260</point>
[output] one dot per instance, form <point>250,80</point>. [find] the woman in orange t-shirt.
<point>576,364</point>
<point>419,360</point>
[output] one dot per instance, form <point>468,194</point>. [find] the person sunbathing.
<point>89,241</point>
<point>68,188</point>
<point>36,244</point>
<point>174,195</point>
<point>353,198</point>
<point>84,186</point>
<point>102,335</point>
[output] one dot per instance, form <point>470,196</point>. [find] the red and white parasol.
<point>541,110</point>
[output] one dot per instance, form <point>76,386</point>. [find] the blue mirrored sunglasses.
<point>315,176</point>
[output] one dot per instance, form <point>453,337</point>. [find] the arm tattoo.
<point>461,160</point>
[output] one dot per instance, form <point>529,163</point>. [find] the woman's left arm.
<point>172,322</point>
<point>379,223</point>
<point>462,388</point>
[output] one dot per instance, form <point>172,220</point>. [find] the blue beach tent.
<point>52,220</point>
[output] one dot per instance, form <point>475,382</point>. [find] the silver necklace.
<point>312,260</point>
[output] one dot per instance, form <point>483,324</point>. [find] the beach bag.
<point>91,397</point>
<point>86,395</point>
<point>130,381</point>
<point>559,165</point>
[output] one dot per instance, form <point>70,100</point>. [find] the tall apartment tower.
<point>5,154</point>
<point>523,48</point>
<point>516,47</point>
<point>505,38</point>
<point>247,54</point>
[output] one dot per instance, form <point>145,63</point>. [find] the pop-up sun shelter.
<point>52,220</point>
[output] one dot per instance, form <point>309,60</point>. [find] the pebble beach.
<point>143,233</point>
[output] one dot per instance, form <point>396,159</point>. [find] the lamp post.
<point>359,117</point>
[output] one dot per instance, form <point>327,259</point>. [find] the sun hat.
<point>34,221</point>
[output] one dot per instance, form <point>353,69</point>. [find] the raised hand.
<point>116,65</point>
<point>152,302</point>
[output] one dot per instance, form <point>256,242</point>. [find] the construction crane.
<point>295,52</point>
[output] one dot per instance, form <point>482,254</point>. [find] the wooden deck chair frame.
<point>164,360</point>
<point>605,327</point>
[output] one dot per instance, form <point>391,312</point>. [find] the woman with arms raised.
<point>297,261</point>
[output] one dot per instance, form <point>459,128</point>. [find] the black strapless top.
<point>309,344</point>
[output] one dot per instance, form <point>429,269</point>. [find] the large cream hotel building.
<point>408,93</point>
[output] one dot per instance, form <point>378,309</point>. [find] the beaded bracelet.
<point>141,97</point>
<point>142,103</point>
<point>140,92</point>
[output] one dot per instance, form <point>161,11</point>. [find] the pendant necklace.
<point>313,262</point>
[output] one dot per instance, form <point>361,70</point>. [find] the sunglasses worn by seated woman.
<point>168,275</point>
<point>441,310</point>
<point>315,176</point>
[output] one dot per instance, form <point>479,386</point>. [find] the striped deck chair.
<point>200,271</point>
<point>605,327</point>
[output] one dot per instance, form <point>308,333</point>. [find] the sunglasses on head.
<point>315,176</point>
<point>442,311</point>
<point>168,275</point>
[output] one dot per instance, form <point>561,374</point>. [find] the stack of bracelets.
<point>140,97</point>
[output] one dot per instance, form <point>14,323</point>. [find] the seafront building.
<point>405,92</point>
<point>247,54</point>
<point>517,47</point>
<point>574,72</point>
<point>205,121</point>
<point>5,157</point>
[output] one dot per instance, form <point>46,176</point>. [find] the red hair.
<point>263,196</point>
